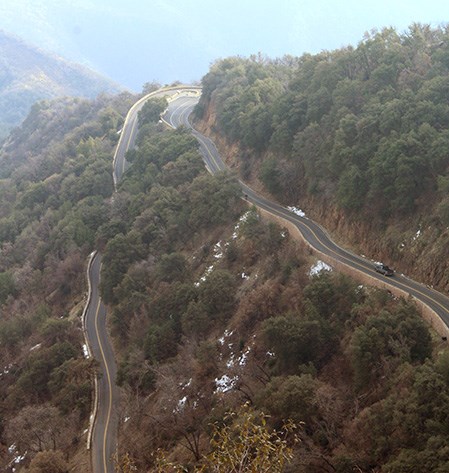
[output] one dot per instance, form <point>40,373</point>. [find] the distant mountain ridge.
<point>28,74</point>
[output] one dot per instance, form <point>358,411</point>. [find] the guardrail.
<point>132,110</point>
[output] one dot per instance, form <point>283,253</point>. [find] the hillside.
<point>357,137</point>
<point>56,180</point>
<point>219,316</point>
<point>28,74</point>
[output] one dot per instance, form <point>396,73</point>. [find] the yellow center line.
<point>186,109</point>
<point>171,124</point>
<point>361,267</point>
<point>346,260</point>
<point>129,142</point>
<point>108,376</point>
<point>208,152</point>
<point>182,105</point>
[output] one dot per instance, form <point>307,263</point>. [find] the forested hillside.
<point>228,332</point>
<point>358,136</point>
<point>28,74</point>
<point>55,184</point>
<point>213,309</point>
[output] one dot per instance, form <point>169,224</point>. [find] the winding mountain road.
<point>129,131</point>
<point>182,100</point>
<point>105,419</point>
<point>104,434</point>
<point>178,115</point>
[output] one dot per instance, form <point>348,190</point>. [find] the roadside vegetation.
<point>359,135</point>
<point>213,309</point>
<point>226,333</point>
<point>55,186</point>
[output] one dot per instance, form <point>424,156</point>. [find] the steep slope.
<point>55,188</point>
<point>358,137</point>
<point>212,308</point>
<point>28,74</point>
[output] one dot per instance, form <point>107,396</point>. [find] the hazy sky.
<point>135,41</point>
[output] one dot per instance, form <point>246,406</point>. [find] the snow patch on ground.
<point>235,362</point>
<point>85,351</point>
<point>360,289</point>
<point>230,362</point>
<point>185,385</point>
<point>6,369</point>
<point>240,361</point>
<point>417,235</point>
<point>12,449</point>
<point>318,267</point>
<point>243,358</point>
<point>225,383</point>
<point>296,211</point>
<point>220,247</point>
<point>242,219</point>
<point>180,405</point>
<point>227,333</point>
<point>218,250</point>
<point>206,273</point>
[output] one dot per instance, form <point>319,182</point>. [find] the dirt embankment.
<point>414,246</point>
<point>428,314</point>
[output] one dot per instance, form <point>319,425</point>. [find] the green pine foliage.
<point>55,185</point>
<point>204,327</point>
<point>367,124</point>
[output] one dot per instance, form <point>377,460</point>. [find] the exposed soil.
<point>412,246</point>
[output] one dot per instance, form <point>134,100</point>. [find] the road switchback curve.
<point>104,432</point>
<point>102,435</point>
<point>435,305</point>
<point>182,100</point>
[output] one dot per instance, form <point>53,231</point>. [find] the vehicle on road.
<point>383,269</point>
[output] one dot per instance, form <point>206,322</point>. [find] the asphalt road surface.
<point>104,436</point>
<point>182,100</point>
<point>178,115</point>
<point>129,131</point>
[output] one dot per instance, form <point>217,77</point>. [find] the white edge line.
<point>131,110</point>
<point>93,415</point>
